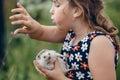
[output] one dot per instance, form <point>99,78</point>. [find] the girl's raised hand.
<point>23,18</point>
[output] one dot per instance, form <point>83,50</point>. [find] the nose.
<point>52,10</point>
<point>49,58</point>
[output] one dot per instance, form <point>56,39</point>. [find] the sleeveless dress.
<point>77,56</point>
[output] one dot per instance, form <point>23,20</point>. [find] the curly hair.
<point>96,18</point>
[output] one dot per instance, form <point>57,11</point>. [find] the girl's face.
<point>61,14</point>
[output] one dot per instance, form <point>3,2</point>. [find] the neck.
<point>81,30</point>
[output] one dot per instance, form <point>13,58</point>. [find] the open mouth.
<point>52,18</point>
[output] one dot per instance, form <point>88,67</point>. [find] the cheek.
<point>64,22</point>
<point>61,18</point>
<point>59,14</point>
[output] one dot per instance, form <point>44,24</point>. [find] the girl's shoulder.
<point>99,38</point>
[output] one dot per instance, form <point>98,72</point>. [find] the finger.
<point>36,66</point>
<point>22,22</point>
<point>21,30</point>
<point>45,71</point>
<point>19,22</point>
<point>18,16</point>
<point>57,64</point>
<point>18,10</point>
<point>17,31</point>
<point>38,69</point>
<point>20,6</point>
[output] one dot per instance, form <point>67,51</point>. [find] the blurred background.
<point>17,54</point>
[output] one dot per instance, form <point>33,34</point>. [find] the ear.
<point>40,53</point>
<point>59,55</point>
<point>77,12</point>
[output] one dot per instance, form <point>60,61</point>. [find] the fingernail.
<point>15,33</point>
<point>12,10</point>
<point>12,23</point>
<point>18,3</point>
<point>9,17</point>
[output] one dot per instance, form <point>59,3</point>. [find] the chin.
<point>53,22</point>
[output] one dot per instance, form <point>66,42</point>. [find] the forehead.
<point>56,0</point>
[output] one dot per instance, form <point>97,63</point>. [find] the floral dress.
<point>77,56</point>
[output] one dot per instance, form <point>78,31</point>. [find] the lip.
<point>52,20</point>
<point>52,17</point>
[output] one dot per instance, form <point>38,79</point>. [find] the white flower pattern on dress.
<point>68,37</point>
<point>85,39</point>
<point>75,66</point>
<point>71,57</point>
<point>80,75</point>
<point>64,54</point>
<point>78,57</point>
<point>84,47</point>
<point>66,46</point>
<point>89,75</point>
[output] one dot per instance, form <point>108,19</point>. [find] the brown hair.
<point>93,14</point>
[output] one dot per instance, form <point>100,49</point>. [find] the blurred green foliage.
<point>22,50</point>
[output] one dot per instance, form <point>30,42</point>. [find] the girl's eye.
<point>57,5</point>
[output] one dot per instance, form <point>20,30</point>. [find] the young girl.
<point>90,40</point>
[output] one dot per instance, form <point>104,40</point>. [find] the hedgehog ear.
<point>59,55</point>
<point>40,53</point>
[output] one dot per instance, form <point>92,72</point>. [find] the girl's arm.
<point>33,28</point>
<point>101,59</point>
<point>49,33</point>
